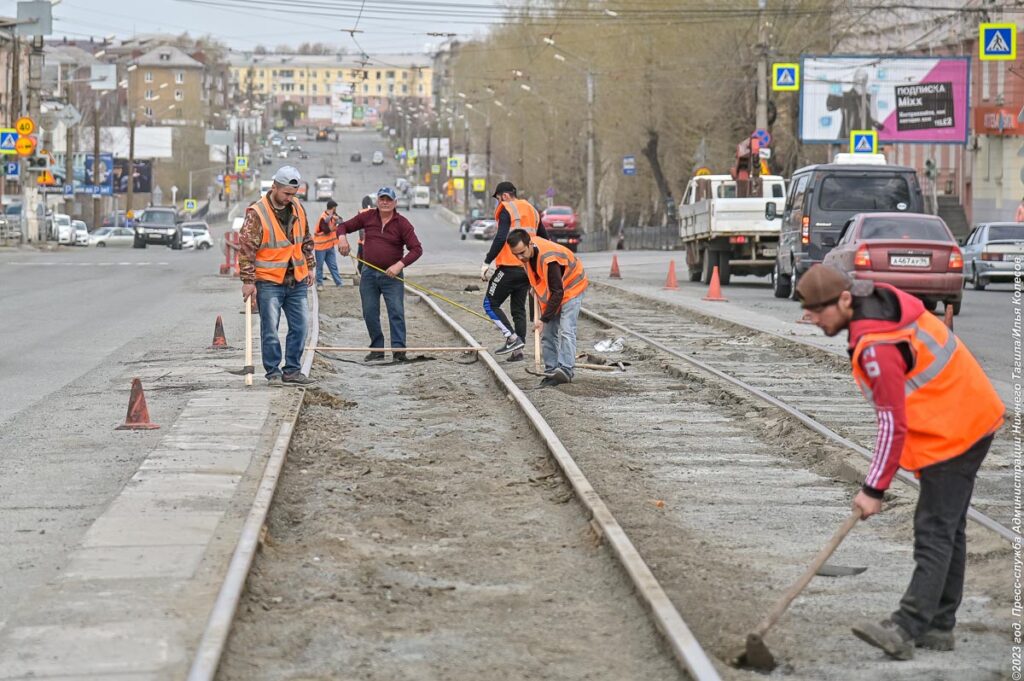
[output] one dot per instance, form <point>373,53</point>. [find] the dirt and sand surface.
<point>421,532</point>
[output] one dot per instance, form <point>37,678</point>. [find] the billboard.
<point>319,112</point>
<point>142,176</point>
<point>905,99</point>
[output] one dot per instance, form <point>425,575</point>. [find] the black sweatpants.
<point>508,282</point>
<point>940,543</point>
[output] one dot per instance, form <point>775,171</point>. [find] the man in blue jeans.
<point>276,264</point>
<point>390,245</point>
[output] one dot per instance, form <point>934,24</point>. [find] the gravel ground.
<point>421,532</point>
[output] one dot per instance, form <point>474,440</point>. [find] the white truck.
<point>720,229</point>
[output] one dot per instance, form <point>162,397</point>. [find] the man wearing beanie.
<point>937,413</point>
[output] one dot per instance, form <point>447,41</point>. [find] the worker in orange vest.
<point>558,281</point>
<point>275,262</point>
<point>326,242</point>
<point>504,273</point>
<point>937,413</point>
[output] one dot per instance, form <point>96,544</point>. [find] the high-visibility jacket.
<point>324,242</point>
<point>524,216</point>
<point>950,402</point>
<point>574,279</point>
<point>276,252</point>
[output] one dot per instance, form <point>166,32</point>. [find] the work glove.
<point>486,271</point>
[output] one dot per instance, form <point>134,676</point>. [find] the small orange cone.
<point>615,274</point>
<point>670,281</point>
<point>219,341</point>
<point>138,413</point>
<point>715,290</point>
<point>948,316</point>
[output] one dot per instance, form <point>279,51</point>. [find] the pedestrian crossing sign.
<point>997,42</point>
<point>191,205</point>
<point>8,141</point>
<point>863,142</point>
<point>785,77</point>
<point>241,163</point>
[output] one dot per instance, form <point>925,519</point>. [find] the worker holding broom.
<point>390,245</point>
<point>937,413</point>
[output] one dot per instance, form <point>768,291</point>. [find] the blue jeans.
<point>373,285</point>
<point>330,256</point>
<point>558,339</point>
<point>272,298</point>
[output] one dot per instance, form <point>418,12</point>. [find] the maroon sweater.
<point>383,246</point>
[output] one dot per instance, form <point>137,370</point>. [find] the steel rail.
<point>819,428</point>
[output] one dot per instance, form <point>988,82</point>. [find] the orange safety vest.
<point>574,279</point>
<point>524,216</point>
<point>324,242</point>
<point>950,402</point>
<point>277,252</point>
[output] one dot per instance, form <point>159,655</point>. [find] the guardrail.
<point>651,238</point>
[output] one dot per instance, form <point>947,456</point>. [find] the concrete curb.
<point>449,216</point>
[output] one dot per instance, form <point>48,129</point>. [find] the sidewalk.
<point>131,599</point>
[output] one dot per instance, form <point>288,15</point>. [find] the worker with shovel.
<point>937,413</point>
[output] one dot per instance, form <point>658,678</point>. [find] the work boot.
<point>400,357</point>
<point>560,376</point>
<point>274,381</point>
<point>512,343</point>
<point>936,639</point>
<point>888,636</point>
<point>297,379</point>
<point>516,356</point>
<point>374,357</point>
<point>547,382</point>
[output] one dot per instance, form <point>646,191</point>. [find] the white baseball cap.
<point>288,175</point>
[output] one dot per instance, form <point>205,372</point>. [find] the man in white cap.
<point>276,263</point>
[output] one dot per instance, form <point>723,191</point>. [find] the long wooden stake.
<point>248,339</point>
<point>538,360</point>
<point>382,350</point>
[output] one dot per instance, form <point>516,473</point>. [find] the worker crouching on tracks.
<point>937,413</point>
<point>387,236</point>
<point>276,262</point>
<point>504,273</point>
<point>558,280</point>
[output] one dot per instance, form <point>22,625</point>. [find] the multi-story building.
<point>310,80</point>
<point>166,87</point>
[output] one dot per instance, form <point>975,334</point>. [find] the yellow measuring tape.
<point>424,289</point>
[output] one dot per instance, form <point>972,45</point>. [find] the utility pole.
<point>131,167</point>
<point>490,189</point>
<point>761,115</point>
<point>69,168</point>
<point>591,190</point>
<point>29,191</point>
<point>96,198</point>
<point>465,184</point>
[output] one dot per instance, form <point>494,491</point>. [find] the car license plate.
<point>768,252</point>
<point>910,260</point>
<point>1011,256</point>
<point>558,224</point>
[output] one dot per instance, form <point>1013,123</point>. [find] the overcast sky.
<point>385,29</point>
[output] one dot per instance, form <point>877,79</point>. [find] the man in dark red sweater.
<point>390,245</point>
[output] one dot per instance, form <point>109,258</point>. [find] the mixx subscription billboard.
<point>906,99</point>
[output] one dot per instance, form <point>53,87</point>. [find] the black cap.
<point>504,187</point>
<point>331,203</point>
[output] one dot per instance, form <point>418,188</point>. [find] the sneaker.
<point>374,357</point>
<point>560,376</point>
<point>319,287</point>
<point>274,381</point>
<point>297,379</point>
<point>936,639</point>
<point>888,636</point>
<point>516,356</point>
<point>512,343</point>
<point>547,382</point>
<point>400,357</point>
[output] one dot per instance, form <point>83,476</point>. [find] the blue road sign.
<point>863,142</point>
<point>629,165</point>
<point>12,169</point>
<point>785,77</point>
<point>764,138</point>
<point>997,42</point>
<point>69,190</point>
<point>8,141</point>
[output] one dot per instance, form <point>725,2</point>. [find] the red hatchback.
<point>561,225</point>
<point>914,252</point>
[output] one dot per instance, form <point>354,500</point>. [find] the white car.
<point>196,235</point>
<point>283,153</point>
<point>112,236</point>
<point>63,229</point>
<point>378,158</point>
<point>81,232</point>
<point>291,137</point>
<point>421,196</point>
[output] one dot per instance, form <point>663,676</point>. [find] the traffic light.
<point>931,171</point>
<point>38,163</point>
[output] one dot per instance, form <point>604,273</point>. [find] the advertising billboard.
<point>905,99</point>
<point>142,176</point>
<point>319,112</point>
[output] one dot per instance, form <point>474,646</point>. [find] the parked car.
<point>484,228</point>
<point>378,158</point>
<point>990,251</point>
<point>114,219</point>
<point>81,232</point>
<point>404,201</point>
<point>157,225</point>
<point>196,234</point>
<point>915,253</point>
<point>562,226</point>
<point>59,228</point>
<point>112,236</point>
<point>355,157</point>
<point>822,198</point>
<point>467,222</point>
<point>421,196</point>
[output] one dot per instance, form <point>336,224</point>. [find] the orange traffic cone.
<point>715,290</point>
<point>615,274</point>
<point>138,413</point>
<point>219,341</point>
<point>948,316</point>
<point>670,281</point>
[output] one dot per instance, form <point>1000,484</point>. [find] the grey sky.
<point>386,30</point>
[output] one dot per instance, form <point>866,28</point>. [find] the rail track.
<point>710,497</point>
